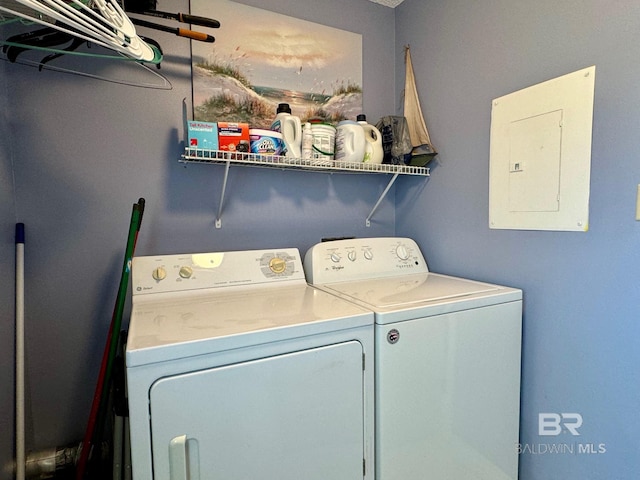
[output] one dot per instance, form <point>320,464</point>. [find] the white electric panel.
<point>540,159</point>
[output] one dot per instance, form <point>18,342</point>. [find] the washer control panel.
<point>183,272</point>
<point>362,258</point>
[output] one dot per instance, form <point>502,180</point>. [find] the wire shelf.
<point>199,155</point>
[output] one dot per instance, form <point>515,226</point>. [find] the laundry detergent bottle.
<point>291,129</point>
<point>350,142</point>
<point>373,153</point>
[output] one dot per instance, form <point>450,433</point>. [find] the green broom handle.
<point>119,308</point>
<point>98,409</point>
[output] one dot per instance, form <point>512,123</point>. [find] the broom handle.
<point>20,435</point>
<point>180,32</point>
<point>114,328</point>
<point>184,18</point>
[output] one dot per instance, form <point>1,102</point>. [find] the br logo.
<point>550,424</point>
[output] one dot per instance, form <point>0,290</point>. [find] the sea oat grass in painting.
<point>254,66</point>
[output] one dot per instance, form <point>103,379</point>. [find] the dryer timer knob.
<point>401,252</point>
<point>277,265</point>
<point>159,274</point>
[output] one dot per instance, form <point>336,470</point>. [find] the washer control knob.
<point>401,252</point>
<point>159,274</point>
<point>185,272</point>
<point>335,258</point>
<point>352,255</point>
<point>277,265</point>
<point>368,254</point>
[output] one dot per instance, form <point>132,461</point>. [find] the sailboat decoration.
<point>423,150</point>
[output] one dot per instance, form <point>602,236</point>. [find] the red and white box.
<point>233,137</point>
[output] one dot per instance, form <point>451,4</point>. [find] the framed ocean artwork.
<point>261,59</point>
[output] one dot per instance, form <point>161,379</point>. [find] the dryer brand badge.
<point>393,336</point>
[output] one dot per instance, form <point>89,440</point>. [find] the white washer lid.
<point>414,296</point>
<point>201,322</point>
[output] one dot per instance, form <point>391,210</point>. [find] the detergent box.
<point>233,137</point>
<point>202,135</point>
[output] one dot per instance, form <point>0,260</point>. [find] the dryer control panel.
<point>195,271</point>
<point>363,258</point>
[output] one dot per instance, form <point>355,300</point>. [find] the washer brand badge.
<point>393,336</point>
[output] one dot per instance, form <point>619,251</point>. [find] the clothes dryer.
<point>447,360</point>
<point>236,368</point>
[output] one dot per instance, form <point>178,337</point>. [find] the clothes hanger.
<point>101,66</point>
<point>86,21</point>
<point>68,24</point>
<point>23,49</point>
<point>105,24</point>
<point>46,37</point>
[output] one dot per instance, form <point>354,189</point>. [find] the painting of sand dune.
<point>261,59</point>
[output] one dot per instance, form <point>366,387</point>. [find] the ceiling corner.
<point>388,3</point>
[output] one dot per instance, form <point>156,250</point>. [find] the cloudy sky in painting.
<point>279,51</point>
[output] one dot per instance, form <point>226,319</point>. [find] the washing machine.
<point>238,369</point>
<point>447,360</point>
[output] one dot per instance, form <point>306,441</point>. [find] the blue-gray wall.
<point>7,256</point>
<point>83,151</point>
<point>582,293</point>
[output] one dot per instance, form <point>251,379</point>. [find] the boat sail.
<point>423,150</point>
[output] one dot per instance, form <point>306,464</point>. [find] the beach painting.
<point>261,59</point>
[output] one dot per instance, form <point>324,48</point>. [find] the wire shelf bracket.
<point>199,155</point>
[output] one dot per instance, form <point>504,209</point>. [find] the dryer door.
<point>292,416</point>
